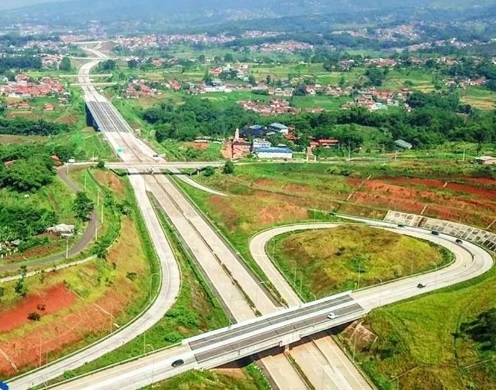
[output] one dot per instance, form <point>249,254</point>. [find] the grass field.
<point>100,287</point>
<point>479,98</point>
<point>419,344</point>
<point>195,311</point>
<point>415,347</point>
<point>218,379</point>
<point>329,103</point>
<point>323,262</point>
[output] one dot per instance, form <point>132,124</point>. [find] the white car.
<point>332,316</point>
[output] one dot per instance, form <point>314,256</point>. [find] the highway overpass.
<point>225,345</point>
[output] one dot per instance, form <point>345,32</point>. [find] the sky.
<point>9,4</point>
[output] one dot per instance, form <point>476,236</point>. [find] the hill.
<point>218,11</point>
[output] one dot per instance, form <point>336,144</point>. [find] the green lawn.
<point>329,103</point>
<point>234,379</point>
<point>479,98</point>
<point>420,341</point>
<point>350,256</point>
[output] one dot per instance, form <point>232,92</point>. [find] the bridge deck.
<point>260,337</point>
<point>273,320</point>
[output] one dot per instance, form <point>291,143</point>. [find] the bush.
<point>209,171</point>
<point>173,337</point>
<point>228,168</point>
<point>34,316</point>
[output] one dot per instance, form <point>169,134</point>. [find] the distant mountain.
<point>197,12</point>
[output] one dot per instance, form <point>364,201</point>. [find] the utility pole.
<point>359,271</point>
<point>40,351</point>
<point>67,247</point>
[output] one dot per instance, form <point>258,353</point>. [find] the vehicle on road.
<point>421,285</point>
<point>177,363</point>
<point>401,225</point>
<point>435,232</point>
<point>332,315</point>
<point>458,241</point>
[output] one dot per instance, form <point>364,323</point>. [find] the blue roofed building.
<point>274,152</point>
<point>279,128</point>
<point>255,131</point>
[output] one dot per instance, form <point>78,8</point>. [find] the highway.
<point>166,296</point>
<point>208,350</point>
<point>229,277</point>
<point>226,272</point>
<point>233,283</point>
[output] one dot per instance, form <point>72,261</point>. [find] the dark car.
<point>435,232</point>
<point>177,363</point>
<point>401,225</point>
<point>421,285</point>
<point>458,241</point>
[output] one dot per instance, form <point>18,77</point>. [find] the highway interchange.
<point>233,282</point>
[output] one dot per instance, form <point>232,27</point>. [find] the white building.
<point>274,153</point>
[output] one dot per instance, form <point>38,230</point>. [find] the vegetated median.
<point>250,378</point>
<point>327,261</point>
<point>195,311</point>
<point>238,230</point>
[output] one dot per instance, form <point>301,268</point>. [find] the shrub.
<point>34,316</point>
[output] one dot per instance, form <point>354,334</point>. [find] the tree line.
<point>21,126</point>
<point>19,62</point>
<point>434,119</point>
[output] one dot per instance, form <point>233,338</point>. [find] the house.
<point>274,153</point>
<point>48,107</point>
<point>279,128</point>
<point>260,143</point>
<point>240,148</point>
<point>56,160</point>
<point>61,229</point>
<point>327,143</point>
<point>486,160</point>
<point>403,144</point>
<point>253,131</point>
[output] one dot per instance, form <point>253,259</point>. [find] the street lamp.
<point>435,273</point>
<point>67,247</point>
<point>259,284</point>
<point>294,274</point>
<point>150,289</point>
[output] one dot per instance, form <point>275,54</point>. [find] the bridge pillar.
<point>90,121</point>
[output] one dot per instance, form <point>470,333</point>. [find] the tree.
<point>228,168</point>
<point>20,287</point>
<point>132,64</point>
<point>108,65</point>
<point>300,90</point>
<point>208,78</point>
<point>252,80</point>
<point>209,171</point>
<point>228,57</point>
<point>65,64</point>
<point>82,206</point>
